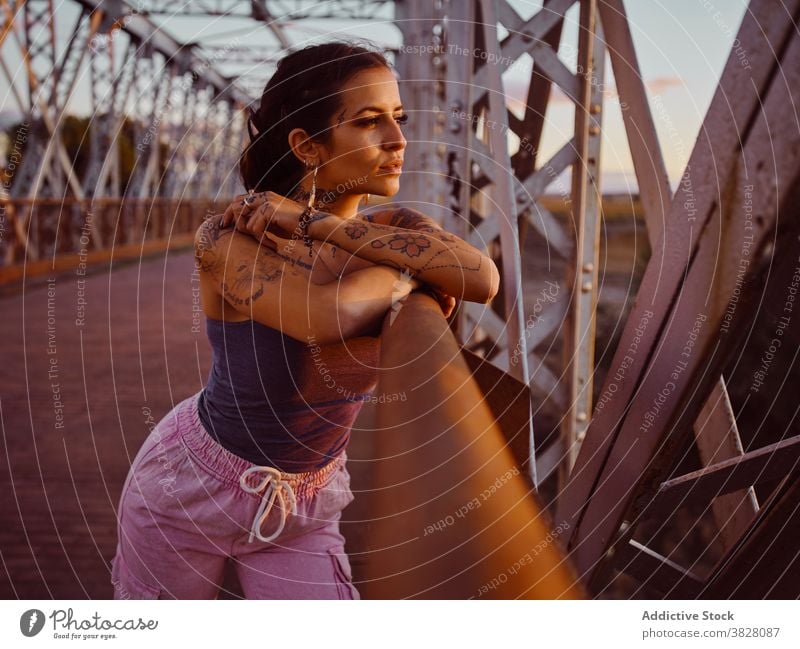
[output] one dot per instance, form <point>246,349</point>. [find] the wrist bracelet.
<point>305,219</point>
<point>428,290</point>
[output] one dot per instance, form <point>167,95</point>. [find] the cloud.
<point>659,84</point>
<point>516,88</point>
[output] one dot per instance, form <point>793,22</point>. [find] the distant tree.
<point>127,152</point>
<point>75,136</point>
<point>17,141</point>
<point>75,132</point>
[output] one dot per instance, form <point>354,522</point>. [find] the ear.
<point>302,146</point>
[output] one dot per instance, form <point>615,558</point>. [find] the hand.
<point>255,214</point>
<point>446,302</point>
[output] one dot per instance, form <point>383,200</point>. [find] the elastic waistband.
<point>229,467</point>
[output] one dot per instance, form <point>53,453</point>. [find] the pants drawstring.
<point>273,487</point>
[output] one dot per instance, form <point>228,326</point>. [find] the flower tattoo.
<point>355,230</point>
<point>411,244</point>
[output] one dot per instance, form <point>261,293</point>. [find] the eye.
<point>374,121</point>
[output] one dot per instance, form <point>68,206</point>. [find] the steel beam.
<point>441,452</point>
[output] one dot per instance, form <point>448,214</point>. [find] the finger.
<point>446,302</point>
<point>241,205</point>
<point>257,224</point>
<point>241,223</point>
<point>267,222</point>
<point>233,210</point>
<point>253,201</point>
<point>261,217</point>
<point>227,217</point>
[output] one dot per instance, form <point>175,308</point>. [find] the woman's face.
<point>365,136</point>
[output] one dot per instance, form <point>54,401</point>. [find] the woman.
<point>295,285</point>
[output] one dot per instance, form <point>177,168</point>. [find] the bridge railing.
<point>49,233</point>
<point>455,515</point>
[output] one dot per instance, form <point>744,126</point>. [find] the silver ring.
<point>248,200</point>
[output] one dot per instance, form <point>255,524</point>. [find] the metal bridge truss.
<point>460,171</point>
<point>171,97</point>
<point>612,475</point>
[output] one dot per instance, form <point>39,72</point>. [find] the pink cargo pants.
<point>188,505</point>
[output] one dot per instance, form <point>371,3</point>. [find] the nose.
<point>395,139</point>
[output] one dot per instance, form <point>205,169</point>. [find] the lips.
<point>396,167</point>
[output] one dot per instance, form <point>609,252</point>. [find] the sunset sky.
<point>682,46</point>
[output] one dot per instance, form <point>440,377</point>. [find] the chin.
<point>388,189</point>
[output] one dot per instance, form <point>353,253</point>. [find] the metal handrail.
<point>455,516</point>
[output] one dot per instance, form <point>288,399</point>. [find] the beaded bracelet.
<point>305,219</point>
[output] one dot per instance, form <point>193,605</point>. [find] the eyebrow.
<point>377,109</point>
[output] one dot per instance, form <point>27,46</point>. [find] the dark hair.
<point>303,93</point>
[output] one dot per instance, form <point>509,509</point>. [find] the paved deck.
<point>76,384</point>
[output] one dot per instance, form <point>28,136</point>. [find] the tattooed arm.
<point>408,240</point>
<point>269,288</point>
<point>402,217</point>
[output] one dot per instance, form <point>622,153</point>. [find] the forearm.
<point>437,258</point>
<point>364,296</point>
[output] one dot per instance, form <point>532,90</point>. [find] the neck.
<point>327,200</point>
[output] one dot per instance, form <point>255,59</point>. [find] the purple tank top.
<point>278,402</point>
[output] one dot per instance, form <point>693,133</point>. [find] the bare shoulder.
<point>206,241</point>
